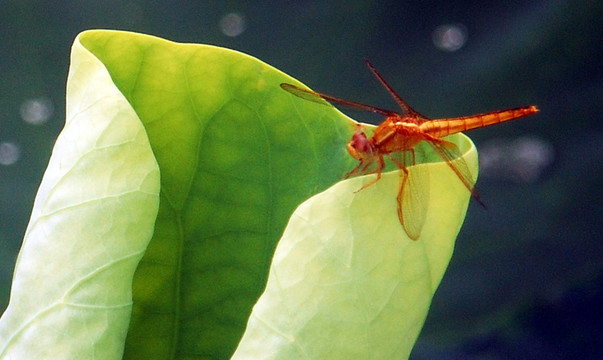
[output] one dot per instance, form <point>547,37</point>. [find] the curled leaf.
<point>346,282</point>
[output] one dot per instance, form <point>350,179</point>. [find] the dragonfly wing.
<point>304,94</point>
<point>320,98</point>
<point>452,155</point>
<point>413,197</point>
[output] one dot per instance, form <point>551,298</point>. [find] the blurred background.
<point>526,280</point>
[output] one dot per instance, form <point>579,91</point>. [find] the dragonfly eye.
<point>360,147</point>
<point>360,141</point>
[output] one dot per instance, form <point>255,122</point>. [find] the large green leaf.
<point>236,156</point>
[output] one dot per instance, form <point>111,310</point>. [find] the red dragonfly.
<point>396,138</point>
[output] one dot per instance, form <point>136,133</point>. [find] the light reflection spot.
<point>522,160</point>
<point>37,111</point>
<point>9,153</point>
<point>450,37</point>
<point>233,24</point>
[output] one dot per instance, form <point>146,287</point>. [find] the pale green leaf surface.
<point>346,282</point>
<point>92,219</point>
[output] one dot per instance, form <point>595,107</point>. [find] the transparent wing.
<point>450,153</point>
<point>320,98</point>
<point>413,194</point>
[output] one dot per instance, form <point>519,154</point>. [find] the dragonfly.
<point>396,139</point>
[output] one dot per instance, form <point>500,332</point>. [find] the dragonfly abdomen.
<point>441,128</point>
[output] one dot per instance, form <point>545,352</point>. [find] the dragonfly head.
<point>360,146</point>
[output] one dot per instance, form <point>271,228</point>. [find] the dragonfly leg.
<point>378,168</point>
<point>365,169</point>
<point>401,163</point>
<point>395,161</point>
<point>360,168</point>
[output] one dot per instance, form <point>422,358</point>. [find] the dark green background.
<point>526,278</point>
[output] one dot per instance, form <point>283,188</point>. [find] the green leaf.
<point>346,282</point>
<point>236,156</point>
<point>91,222</point>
